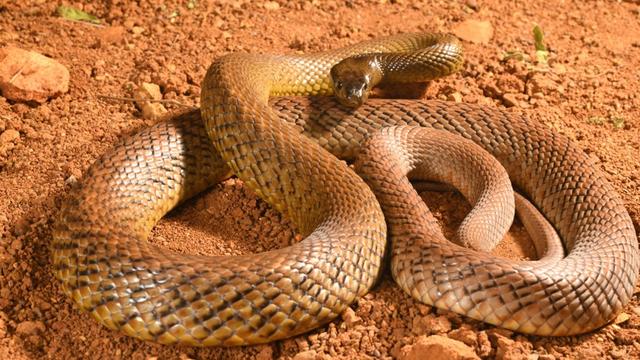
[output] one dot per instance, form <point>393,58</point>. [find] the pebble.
<point>475,31</point>
<point>111,35</point>
<point>271,5</point>
<point>508,349</point>
<point>510,100</point>
<point>472,4</point>
<point>622,317</point>
<point>618,353</point>
<point>431,324</point>
<point>30,328</point>
<point>465,335</point>
<point>349,317</point>
<point>71,180</point>
<point>150,110</point>
<point>30,76</point>
<point>437,347</point>
<point>137,30</point>
<point>538,83</point>
<point>484,345</point>
<point>455,97</point>
<point>306,355</point>
<point>9,136</point>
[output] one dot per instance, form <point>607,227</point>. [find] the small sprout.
<point>542,54</point>
<point>618,122</point>
<point>71,13</point>
<point>596,120</point>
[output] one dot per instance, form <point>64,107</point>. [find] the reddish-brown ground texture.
<point>588,92</point>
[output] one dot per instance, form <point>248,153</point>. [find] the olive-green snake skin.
<point>107,267</point>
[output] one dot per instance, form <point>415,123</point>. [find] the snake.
<point>273,124</point>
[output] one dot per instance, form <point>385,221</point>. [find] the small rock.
<point>9,136</point>
<point>622,317</point>
<point>431,324</point>
<point>349,317</point>
<point>30,328</point>
<point>71,180</point>
<point>455,97</point>
<point>137,30</point>
<point>491,90</point>
<point>472,4</point>
<point>510,100</point>
<point>30,76</point>
<point>148,91</point>
<point>484,345</point>
<point>437,347</point>
<point>509,83</point>
<point>475,31</point>
<point>465,335</point>
<point>306,355</point>
<point>111,34</point>
<point>271,5</point>
<point>539,83</point>
<point>508,349</point>
<point>618,353</point>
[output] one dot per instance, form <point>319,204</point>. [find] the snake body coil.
<point>106,265</point>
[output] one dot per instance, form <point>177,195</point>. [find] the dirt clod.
<point>30,328</point>
<point>437,347</point>
<point>475,31</point>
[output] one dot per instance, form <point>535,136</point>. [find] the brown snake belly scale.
<point>101,255</point>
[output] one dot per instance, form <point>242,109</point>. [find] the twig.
<point>129,99</point>
<point>83,22</point>
<point>17,73</point>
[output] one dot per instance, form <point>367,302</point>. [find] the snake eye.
<point>339,85</point>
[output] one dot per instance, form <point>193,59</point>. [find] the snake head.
<point>353,78</point>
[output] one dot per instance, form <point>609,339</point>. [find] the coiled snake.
<point>101,255</point>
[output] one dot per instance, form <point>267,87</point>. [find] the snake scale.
<point>286,149</point>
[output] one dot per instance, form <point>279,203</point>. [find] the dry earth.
<point>589,93</point>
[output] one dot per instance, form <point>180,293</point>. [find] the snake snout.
<point>352,91</point>
<point>354,95</point>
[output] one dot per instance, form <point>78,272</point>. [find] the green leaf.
<point>71,13</point>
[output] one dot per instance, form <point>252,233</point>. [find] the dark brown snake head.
<point>354,77</point>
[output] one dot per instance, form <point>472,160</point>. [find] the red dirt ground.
<point>589,93</point>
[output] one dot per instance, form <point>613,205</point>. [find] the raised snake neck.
<point>101,254</point>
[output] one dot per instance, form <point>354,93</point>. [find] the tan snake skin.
<point>106,265</point>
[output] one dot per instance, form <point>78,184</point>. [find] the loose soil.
<point>589,93</point>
